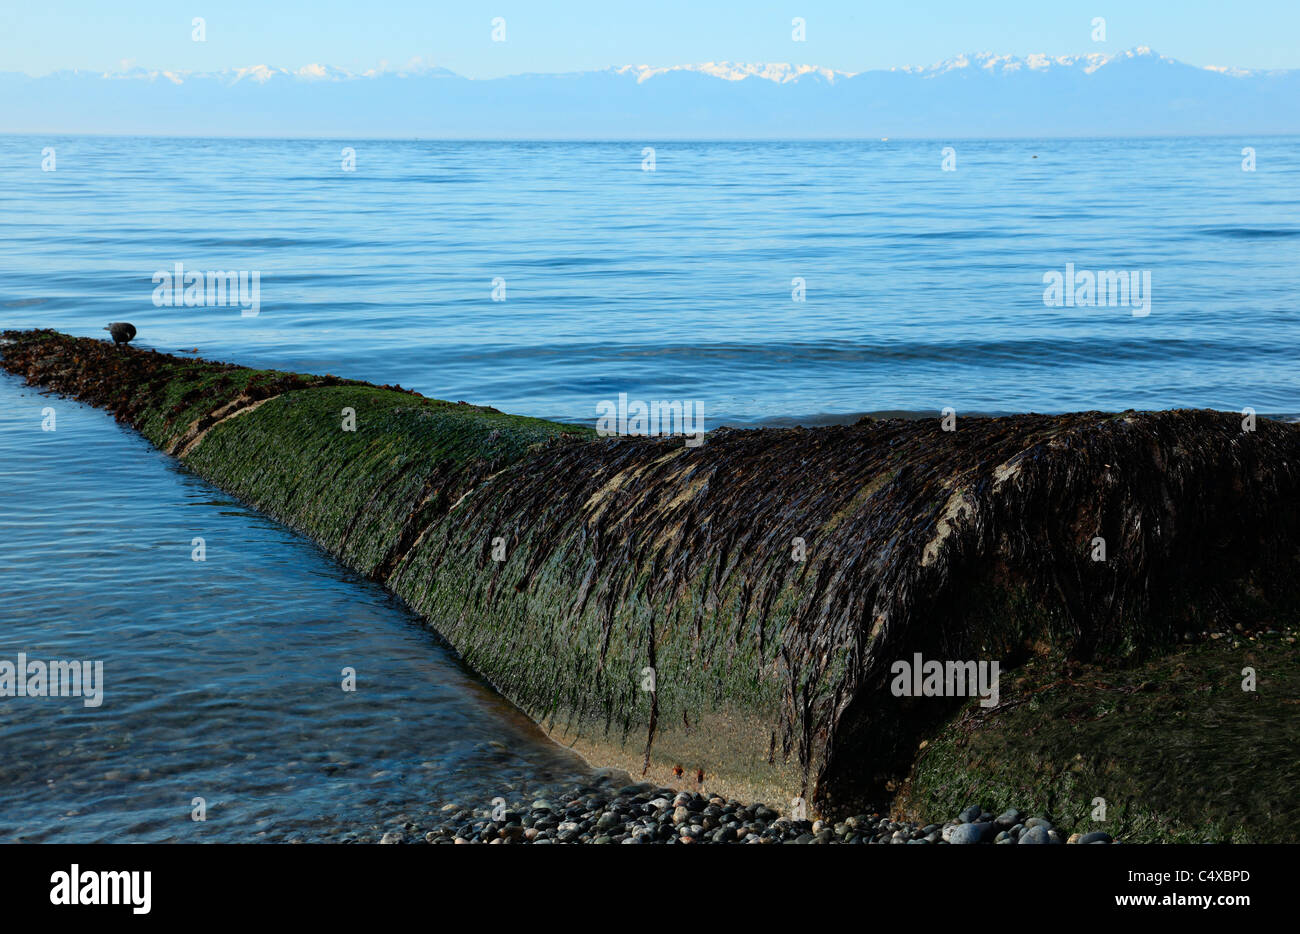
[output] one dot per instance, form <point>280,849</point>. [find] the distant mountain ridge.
<point>1134,92</point>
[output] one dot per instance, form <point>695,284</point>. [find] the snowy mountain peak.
<point>777,72</point>
<point>1036,61</point>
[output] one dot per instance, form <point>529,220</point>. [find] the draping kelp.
<point>735,608</point>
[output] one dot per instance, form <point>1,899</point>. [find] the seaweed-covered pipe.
<point>737,608</point>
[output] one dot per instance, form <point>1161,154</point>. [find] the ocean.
<point>766,282</point>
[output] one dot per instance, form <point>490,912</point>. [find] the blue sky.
<point>50,35</point>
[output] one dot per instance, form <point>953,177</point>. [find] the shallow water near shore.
<point>222,678</point>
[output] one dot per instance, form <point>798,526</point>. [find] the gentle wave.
<point>922,288</point>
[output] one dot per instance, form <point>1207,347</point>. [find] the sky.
<point>580,35</point>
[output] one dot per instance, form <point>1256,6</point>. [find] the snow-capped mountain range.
<point>1134,92</point>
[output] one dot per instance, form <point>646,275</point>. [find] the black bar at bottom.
<point>334,883</point>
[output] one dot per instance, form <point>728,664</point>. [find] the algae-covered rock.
<point>733,612</point>
<point>1198,745</point>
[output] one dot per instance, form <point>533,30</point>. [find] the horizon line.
<point>647,139</point>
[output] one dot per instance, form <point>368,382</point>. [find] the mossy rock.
<point>769,577</point>
<point>1175,747</point>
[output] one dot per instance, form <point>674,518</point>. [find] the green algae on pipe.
<point>769,577</point>
<point>1170,750</point>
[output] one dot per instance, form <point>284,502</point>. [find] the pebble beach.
<point>647,814</point>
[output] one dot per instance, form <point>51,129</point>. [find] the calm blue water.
<point>924,289</point>
<point>222,679</point>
